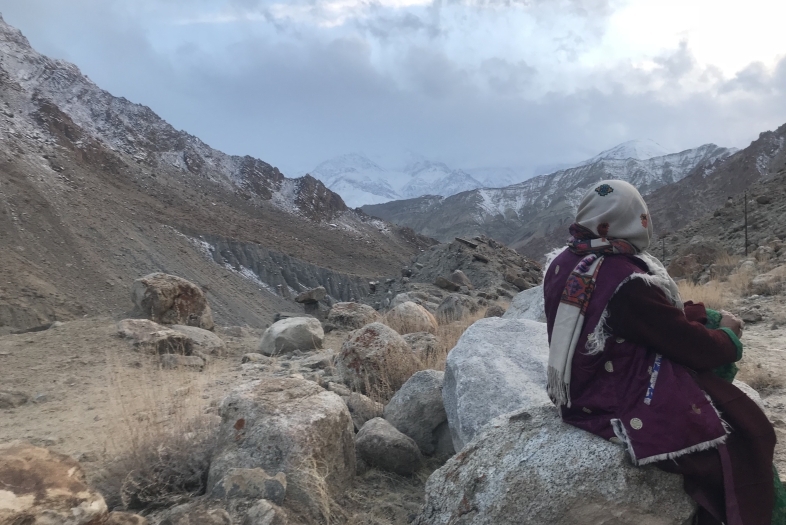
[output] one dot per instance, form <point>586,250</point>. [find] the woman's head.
<point>615,209</point>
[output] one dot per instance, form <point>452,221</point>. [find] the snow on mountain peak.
<point>632,149</point>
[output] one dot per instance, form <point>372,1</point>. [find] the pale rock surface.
<point>497,366</point>
<point>770,282</point>
<point>286,425</point>
<point>168,299</point>
<point>152,337</point>
<point>43,487</point>
<point>351,316</point>
<point>373,355</point>
<point>417,409</point>
<point>382,446</point>
<point>530,468</point>
<point>408,318</point>
<point>202,340</point>
<point>251,483</point>
<point>528,304</point>
<point>288,335</point>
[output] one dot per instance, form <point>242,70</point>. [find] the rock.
<point>152,337</point>
<point>318,361</point>
<point>251,483</point>
<point>265,513</point>
<point>495,310</point>
<point>311,296</point>
<point>408,317</point>
<point>362,408</point>
<point>461,279</point>
<point>444,447</point>
<point>417,409</point>
<point>351,316</point>
<point>424,345</point>
<point>202,340</point>
<point>446,284</point>
<point>375,357</point>
<point>174,361</point>
<point>168,299</point>
<point>196,512</point>
<point>530,468</point>
<point>291,426</point>
<point>125,518</point>
<point>764,199</point>
<point>287,335</point>
<point>528,304</point>
<point>406,272</point>
<point>255,358</point>
<point>339,389</point>
<point>11,399</point>
<point>751,315</point>
<point>43,487</point>
<point>705,251</point>
<point>455,307</point>
<point>382,446</point>
<point>770,282</point>
<point>288,315</point>
<point>498,365</point>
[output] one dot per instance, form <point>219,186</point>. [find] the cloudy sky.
<point>471,82</point>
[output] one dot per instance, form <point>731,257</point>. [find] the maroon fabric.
<point>609,388</point>
<point>642,313</point>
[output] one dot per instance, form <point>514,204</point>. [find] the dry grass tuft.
<point>760,379</point>
<point>161,440</point>
<point>712,294</point>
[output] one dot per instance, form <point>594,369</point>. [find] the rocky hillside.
<point>532,216</point>
<point>96,191</point>
<point>710,185</point>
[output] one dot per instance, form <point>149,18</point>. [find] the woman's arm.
<point>642,314</point>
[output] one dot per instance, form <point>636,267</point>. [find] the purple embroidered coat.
<point>608,389</point>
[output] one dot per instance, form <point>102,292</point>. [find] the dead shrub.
<point>161,440</point>
<point>711,294</point>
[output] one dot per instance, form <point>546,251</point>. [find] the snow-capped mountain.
<point>632,149</point>
<point>538,208</point>
<point>360,180</point>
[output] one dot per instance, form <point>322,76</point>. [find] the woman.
<point>631,363</point>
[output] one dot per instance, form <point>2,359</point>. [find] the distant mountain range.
<point>361,181</point>
<point>532,216</point>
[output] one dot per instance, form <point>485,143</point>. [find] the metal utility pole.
<point>663,249</point>
<point>745,208</point>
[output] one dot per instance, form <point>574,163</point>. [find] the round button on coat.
<point>636,423</point>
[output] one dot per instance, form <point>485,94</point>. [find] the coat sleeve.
<point>642,314</point>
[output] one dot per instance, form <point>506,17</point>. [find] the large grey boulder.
<point>425,345</point>
<point>351,316</point>
<point>286,425</point>
<point>417,409</point>
<point>497,366</point>
<point>409,318</point>
<point>380,445</point>
<point>530,468</point>
<point>168,299</point>
<point>202,340</point>
<point>376,357</point>
<point>288,335</point>
<point>528,304</point>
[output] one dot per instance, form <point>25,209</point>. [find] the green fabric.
<point>735,340</point>
<point>779,507</point>
<point>713,319</point>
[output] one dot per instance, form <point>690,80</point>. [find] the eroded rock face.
<point>498,365</point>
<point>351,316</point>
<point>455,307</point>
<point>288,335</point>
<point>376,356</point>
<point>417,409</point>
<point>530,468</point>
<point>168,299</point>
<point>408,318</point>
<point>380,445</point>
<point>528,304</point>
<point>43,487</point>
<point>286,425</point>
